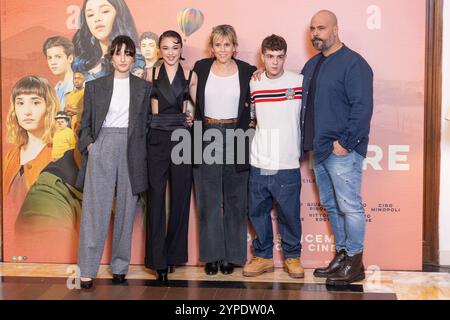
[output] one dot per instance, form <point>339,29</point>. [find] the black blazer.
<point>97,98</point>
<point>202,69</point>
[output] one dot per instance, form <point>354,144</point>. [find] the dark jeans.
<point>221,195</point>
<point>283,188</point>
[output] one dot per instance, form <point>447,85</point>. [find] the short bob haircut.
<point>274,43</point>
<point>223,31</point>
<point>118,42</point>
<point>27,86</point>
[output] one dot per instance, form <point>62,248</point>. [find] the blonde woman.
<point>222,103</point>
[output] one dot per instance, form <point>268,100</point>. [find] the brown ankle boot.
<point>258,266</point>
<point>294,268</point>
<point>333,266</point>
<point>352,270</point>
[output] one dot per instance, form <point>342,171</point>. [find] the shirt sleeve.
<point>359,91</point>
<point>85,134</point>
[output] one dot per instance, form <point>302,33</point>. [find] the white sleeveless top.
<point>222,96</point>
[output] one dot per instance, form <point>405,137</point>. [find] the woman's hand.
<point>189,119</point>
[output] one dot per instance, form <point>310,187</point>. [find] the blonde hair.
<point>26,86</point>
<point>223,31</point>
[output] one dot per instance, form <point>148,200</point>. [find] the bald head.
<point>324,32</point>
<point>326,16</point>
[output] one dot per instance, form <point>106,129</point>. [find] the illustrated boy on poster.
<point>60,55</point>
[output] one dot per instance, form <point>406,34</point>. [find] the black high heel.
<point>118,279</point>
<point>86,284</point>
<point>162,275</point>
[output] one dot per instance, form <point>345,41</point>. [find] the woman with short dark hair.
<point>112,142</point>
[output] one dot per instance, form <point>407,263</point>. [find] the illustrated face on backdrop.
<point>149,49</point>
<point>170,50</point>
<point>30,110</point>
<point>122,60</point>
<point>274,61</point>
<point>78,80</point>
<point>324,31</point>
<point>223,49</point>
<point>61,123</point>
<point>58,61</point>
<point>100,16</point>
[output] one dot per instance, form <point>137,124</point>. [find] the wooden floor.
<point>57,282</point>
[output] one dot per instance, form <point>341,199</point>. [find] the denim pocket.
<point>341,164</point>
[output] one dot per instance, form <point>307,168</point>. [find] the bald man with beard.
<point>337,109</point>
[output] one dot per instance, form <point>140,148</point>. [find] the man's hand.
<point>89,147</point>
<point>338,149</point>
<point>257,74</point>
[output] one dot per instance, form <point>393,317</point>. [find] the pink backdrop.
<point>389,34</point>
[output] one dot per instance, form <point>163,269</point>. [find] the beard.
<point>322,45</point>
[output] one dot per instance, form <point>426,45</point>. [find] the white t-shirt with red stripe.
<point>277,104</point>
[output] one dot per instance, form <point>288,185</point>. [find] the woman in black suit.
<point>168,246</point>
<point>222,103</point>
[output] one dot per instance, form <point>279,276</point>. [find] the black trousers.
<point>166,243</point>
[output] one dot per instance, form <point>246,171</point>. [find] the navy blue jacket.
<point>343,103</point>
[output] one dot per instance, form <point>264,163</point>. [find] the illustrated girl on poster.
<point>100,22</point>
<point>41,204</point>
<point>30,126</point>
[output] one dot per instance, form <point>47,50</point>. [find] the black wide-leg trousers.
<point>166,243</point>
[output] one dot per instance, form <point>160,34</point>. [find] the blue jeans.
<point>339,181</point>
<point>283,188</point>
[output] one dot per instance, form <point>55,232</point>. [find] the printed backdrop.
<point>389,34</point>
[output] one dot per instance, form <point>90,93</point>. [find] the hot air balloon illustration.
<point>189,20</point>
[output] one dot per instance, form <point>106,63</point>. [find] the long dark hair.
<point>88,51</point>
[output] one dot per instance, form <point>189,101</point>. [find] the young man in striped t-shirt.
<point>275,160</point>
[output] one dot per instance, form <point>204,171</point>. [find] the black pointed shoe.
<point>226,267</point>
<point>352,270</point>
<point>118,278</point>
<point>162,275</point>
<point>171,268</point>
<point>211,268</point>
<point>86,284</point>
<point>333,266</point>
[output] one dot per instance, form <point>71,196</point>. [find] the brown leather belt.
<point>222,121</point>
